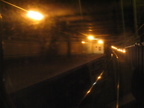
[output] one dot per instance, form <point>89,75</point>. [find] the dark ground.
<point>68,88</point>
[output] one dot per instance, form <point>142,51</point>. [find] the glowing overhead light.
<point>100,41</point>
<point>31,14</point>
<point>90,30</point>
<point>83,42</point>
<point>35,15</point>
<point>90,37</point>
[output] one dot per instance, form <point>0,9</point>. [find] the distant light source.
<point>120,50</point>
<point>100,41</point>
<point>91,37</point>
<point>83,42</point>
<point>124,51</point>
<point>35,15</point>
<point>90,30</point>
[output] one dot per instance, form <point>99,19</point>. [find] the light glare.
<point>88,92</point>
<point>35,15</point>
<point>120,50</point>
<point>83,42</point>
<point>100,41</point>
<point>90,37</point>
<point>99,77</point>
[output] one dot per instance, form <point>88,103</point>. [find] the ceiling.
<point>101,18</point>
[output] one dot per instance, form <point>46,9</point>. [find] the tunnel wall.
<point>19,48</point>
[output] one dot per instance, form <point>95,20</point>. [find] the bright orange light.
<point>88,91</point>
<point>35,15</point>
<point>113,47</point>
<point>124,51</point>
<point>120,50</point>
<point>91,37</point>
<point>99,77</point>
<point>100,41</point>
<point>83,42</point>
